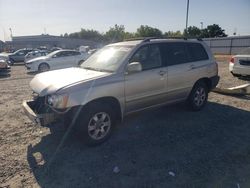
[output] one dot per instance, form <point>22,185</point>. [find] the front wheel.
<point>96,124</point>
<point>11,62</point>
<point>43,67</point>
<point>198,96</point>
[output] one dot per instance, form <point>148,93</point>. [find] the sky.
<point>55,17</point>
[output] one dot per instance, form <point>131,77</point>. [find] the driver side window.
<point>149,56</point>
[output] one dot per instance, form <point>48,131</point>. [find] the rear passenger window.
<point>75,53</point>
<point>149,56</point>
<point>175,53</point>
<point>197,52</point>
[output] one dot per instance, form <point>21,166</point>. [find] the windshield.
<point>21,50</point>
<point>107,59</point>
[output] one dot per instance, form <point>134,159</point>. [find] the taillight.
<point>232,60</point>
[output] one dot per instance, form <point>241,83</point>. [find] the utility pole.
<point>11,33</point>
<point>201,25</point>
<point>187,14</point>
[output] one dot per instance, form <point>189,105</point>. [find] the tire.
<point>43,67</point>
<point>198,96</point>
<point>95,124</point>
<point>80,62</point>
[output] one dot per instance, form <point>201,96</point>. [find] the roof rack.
<point>147,39</point>
<point>144,39</point>
<point>132,39</point>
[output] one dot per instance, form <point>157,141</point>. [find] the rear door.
<point>146,88</point>
<point>185,67</point>
<point>76,58</point>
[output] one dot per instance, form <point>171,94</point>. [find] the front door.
<point>148,87</point>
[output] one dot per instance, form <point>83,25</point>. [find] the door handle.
<point>162,72</point>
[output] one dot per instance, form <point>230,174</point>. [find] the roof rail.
<point>147,39</point>
<point>132,39</point>
<point>184,38</point>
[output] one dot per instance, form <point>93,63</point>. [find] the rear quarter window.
<point>197,52</point>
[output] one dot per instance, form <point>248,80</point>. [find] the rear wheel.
<point>43,67</point>
<point>96,123</point>
<point>198,96</point>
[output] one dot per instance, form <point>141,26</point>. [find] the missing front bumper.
<point>43,118</point>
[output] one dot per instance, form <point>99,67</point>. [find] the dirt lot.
<point>210,148</point>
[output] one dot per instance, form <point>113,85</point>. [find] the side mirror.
<point>134,67</point>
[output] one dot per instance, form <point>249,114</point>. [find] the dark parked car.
<point>4,68</point>
<point>18,56</point>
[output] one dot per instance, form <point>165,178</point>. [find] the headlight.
<point>4,58</point>
<point>3,64</point>
<point>58,101</point>
<point>29,62</point>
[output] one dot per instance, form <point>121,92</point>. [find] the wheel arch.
<point>205,80</point>
<point>38,67</point>
<point>112,101</point>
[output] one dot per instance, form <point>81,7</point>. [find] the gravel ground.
<point>166,147</point>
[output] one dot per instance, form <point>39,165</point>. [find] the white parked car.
<point>239,65</point>
<point>56,60</point>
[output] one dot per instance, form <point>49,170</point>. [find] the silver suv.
<point>120,79</point>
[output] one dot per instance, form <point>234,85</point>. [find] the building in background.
<point>2,44</point>
<point>48,41</point>
<point>228,45</point>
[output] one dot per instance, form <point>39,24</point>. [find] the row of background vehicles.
<point>118,80</point>
<point>43,60</point>
<point>239,65</point>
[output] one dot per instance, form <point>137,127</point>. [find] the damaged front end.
<point>39,111</point>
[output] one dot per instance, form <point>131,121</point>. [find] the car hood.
<point>50,82</point>
<point>4,55</point>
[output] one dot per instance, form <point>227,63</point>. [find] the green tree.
<point>115,34</point>
<point>147,31</point>
<point>74,35</point>
<point>213,31</point>
<point>90,34</point>
<point>129,35</point>
<point>193,32</point>
<point>170,34</point>
<point>86,34</point>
